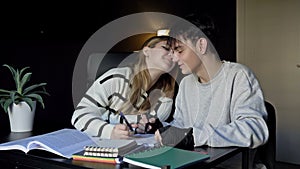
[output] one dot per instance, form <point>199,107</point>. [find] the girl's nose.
<point>174,58</point>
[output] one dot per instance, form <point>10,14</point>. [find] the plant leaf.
<point>14,73</point>
<point>41,92</point>
<point>22,70</point>
<point>29,102</point>
<point>18,96</point>
<point>6,104</point>
<point>12,70</point>
<point>4,91</point>
<point>12,96</point>
<point>38,98</point>
<point>2,100</point>
<point>24,80</point>
<point>32,87</point>
<point>17,81</point>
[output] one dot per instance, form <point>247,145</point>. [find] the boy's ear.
<point>201,45</point>
<point>146,50</point>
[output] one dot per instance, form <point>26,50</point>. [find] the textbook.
<point>64,142</point>
<point>110,147</point>
<point>164,156</point>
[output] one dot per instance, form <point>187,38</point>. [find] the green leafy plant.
<point>22,93</point>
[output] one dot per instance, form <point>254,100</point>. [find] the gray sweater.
<point>227,111</point>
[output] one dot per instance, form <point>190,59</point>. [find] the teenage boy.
<point>221,101</point>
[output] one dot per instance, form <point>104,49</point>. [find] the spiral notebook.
<point>110,148</point>
<point>164,156</point>
<point>81,156</point>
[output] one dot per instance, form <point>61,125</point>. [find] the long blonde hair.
<point>141,81</point>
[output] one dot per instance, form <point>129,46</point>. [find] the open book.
<point>64,142</point>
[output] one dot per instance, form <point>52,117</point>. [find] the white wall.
<point>268,41</point>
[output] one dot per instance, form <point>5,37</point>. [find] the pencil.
<point>126,121</point>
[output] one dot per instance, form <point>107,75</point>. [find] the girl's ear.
<point>201,45</point>
<point>146,50</point>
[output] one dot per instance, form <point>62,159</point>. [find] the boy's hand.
<point>141,126</point>
<point>176,137</point>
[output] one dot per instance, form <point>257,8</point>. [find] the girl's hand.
<point>120,131</point>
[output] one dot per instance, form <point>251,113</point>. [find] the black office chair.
<point>266,154</point>
<point>113,60</point>
<point>99,63</point>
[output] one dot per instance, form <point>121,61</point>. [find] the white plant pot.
<point>21,117</point>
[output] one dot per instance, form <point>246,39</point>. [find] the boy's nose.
<point>171,52</point>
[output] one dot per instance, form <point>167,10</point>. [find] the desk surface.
<point>43,159</point>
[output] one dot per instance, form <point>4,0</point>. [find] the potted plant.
<point>20,103</point>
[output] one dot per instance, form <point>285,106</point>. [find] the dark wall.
<point>48,38</point>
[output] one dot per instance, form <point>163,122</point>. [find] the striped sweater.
<point>96,112</point>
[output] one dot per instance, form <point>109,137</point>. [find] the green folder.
<point>164,156</point>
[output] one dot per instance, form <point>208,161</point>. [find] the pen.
<point>127,123</point>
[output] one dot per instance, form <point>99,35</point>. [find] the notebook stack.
<point>107,151</point>
<point>100,151</point>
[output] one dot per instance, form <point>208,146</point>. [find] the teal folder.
<point>165,156</point>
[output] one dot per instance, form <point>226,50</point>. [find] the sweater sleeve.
<point>247,112</point>
<point>164,108</point>
<point>92,114</point>
<point>178,116</point>
<point>89,114</point>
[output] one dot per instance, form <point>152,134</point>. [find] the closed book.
<point>164,156</point>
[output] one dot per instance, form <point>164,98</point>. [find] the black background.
<point>49,36</point>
